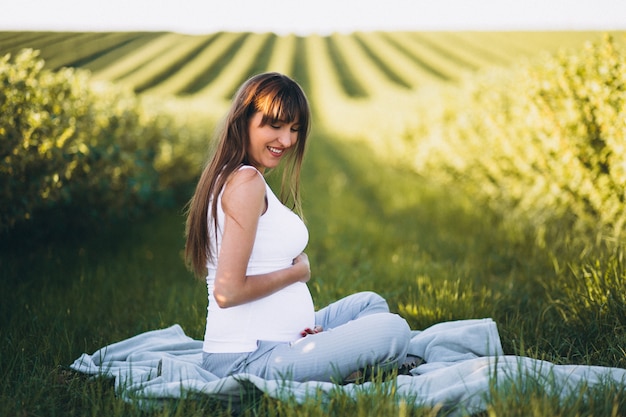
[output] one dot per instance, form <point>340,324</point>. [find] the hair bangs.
<point>285,105</point>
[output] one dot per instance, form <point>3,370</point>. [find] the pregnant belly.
<point>283,315</point>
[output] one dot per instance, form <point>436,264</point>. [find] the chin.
<point>271,165</point>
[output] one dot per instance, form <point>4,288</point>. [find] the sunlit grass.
<point>432,254</point>
<point>430,248</point>
<point>211,63</point>
<point>131,62</point>
<point>240,63</point>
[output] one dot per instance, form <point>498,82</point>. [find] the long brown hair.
<point>279,98</point>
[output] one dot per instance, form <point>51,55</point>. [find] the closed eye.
<point>280,126</point>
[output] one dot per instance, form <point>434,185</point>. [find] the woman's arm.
<point>244,202</point>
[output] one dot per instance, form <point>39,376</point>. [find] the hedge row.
<point>543,145</point>
<point>72,155</point>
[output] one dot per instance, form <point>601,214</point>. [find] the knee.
<point>399,338</point>
<point>393,335</point>
<point>375,302</point>
<point>399,329</point>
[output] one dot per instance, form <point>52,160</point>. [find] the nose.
<point>285,137</point>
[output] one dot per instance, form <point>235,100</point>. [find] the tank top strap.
<point>250,167</point>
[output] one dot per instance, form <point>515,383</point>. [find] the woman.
<point>261,318</point>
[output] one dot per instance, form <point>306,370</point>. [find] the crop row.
<point>214,64</point>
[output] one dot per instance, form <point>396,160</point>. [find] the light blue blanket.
<point>462,358</point>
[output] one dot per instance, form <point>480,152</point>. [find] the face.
<point>269,143</point>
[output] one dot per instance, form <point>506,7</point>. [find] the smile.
<point>275,151</point>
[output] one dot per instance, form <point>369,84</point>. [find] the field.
<point>381,215</point>
<point>344,74</point>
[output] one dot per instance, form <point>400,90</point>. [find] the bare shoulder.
<point>244,188</point>
<point>246,177</point>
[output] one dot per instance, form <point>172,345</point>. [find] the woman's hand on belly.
<point>302,261</point>
<point>314,330</point>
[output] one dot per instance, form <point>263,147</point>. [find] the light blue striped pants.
<point>359,331</point>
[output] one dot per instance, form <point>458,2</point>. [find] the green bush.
<point>72,154</point>
<point>544,145</point>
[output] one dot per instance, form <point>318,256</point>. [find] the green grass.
<point>431,253</point>
<point>429,249</point>
<point>386,67</point>
<point>258,64</point>
<point>421,62</point>
<point>345,73</point>
<point>170,63</point>
<point>174,66</point>
<point>216,66</point>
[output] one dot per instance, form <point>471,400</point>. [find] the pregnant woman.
<point>249,245</point>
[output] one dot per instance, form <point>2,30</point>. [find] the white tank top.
<point>281,316</point>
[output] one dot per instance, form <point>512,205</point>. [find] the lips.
<point>275,151</point>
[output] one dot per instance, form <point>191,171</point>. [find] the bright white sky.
<point>310,16</point>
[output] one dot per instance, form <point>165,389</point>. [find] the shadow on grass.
<point>432,253</point>
<point>375,226</point>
